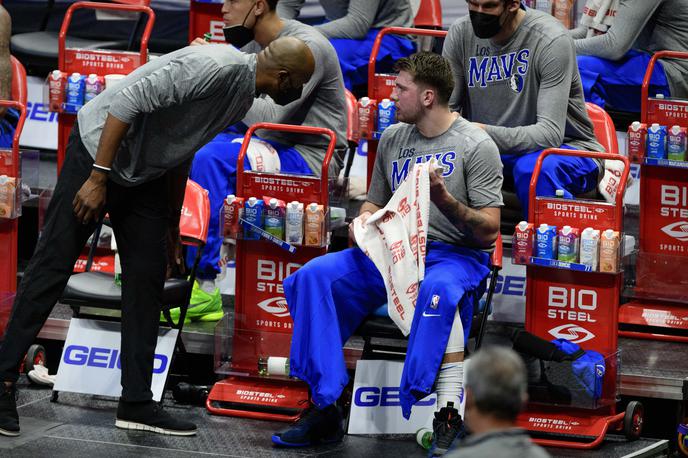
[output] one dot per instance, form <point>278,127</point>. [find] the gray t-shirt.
<point>353,18</point>
<point>322,104</point>
<point>511,443</point>
<point>472,170</point>
<point>649,26</point>
<point>528,91</point>
<point>175,104</point>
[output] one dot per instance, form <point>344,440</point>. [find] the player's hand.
<point>480,125</point>
<point>90,200</point>
<point>198,42</point>
<point>362,218</point>
<point>438,188</point>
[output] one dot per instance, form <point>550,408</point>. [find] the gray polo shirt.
<point>472,169</point>
<point>528,91</point>
<point>353,18</point>
<point>175,104</point>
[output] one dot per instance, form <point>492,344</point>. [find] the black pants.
<point>139,217</point>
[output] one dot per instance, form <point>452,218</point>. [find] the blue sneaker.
<point>447,427</point>
<point>315,427</point>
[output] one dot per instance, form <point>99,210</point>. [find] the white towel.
<point>612,179</point>
<point>598,15</point>
<point>262,155</point>
<point>394,238</point>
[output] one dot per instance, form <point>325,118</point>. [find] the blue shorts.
<point>575,175</point>
<point>617,84</point>
<point>214,168</point>
<point>354,55</point>
<point>330,296</point>
<point>8,125</point>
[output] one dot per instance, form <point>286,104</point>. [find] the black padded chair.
<point>98,290</point>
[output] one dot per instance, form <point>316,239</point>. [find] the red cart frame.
<point>262,325</point>
<point>380,86</point>
<point>9,227</point>
<point>585,303</point>
<point>97,61</point>
<point>659,310</point>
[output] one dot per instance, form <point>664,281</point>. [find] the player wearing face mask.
<point>516,76</point>
<point>252,25</point>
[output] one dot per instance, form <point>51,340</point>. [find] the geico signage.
<point>571,304</point>
<point>36,111</point>
<point>510,285</point>
<point>386,396</point>
<point>269,274</point>
<point>105,358</point>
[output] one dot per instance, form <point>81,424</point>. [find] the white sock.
<point>207,285</point>
<point>450,379</point>
<point>450,385</point>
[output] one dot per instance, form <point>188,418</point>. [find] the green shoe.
<point>203,307</point>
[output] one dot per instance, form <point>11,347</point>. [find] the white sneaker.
<point>39,375</point>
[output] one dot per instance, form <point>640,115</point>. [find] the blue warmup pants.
<point>354,55</point>
<point>329,297</point>
<point>214,168</point>
<point>617,84</point>
<point>575,175</point>
<point>8,125</point>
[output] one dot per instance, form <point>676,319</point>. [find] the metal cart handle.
<point>648,75</point>
<point>111,7</point>
<point>591,154</point>
<point>17,132</point>
<point>293,129</point>
<point>394,31</point>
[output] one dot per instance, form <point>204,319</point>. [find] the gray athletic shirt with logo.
<point>472,170</point>
<point>649,26</point>
<point>353,18</point>
<point>175,104</point>
<point>528,91</point>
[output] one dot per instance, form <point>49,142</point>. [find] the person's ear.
<point>260,8</point>
<point>513,5</point>
<point>428,97</point>
<point>282,76</point>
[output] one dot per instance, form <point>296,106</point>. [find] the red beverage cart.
<point>98,61</point>
<point>659,309</point>
<point>262,326</point>
<point>570,301</point>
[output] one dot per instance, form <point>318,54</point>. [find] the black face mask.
<point>286,96</point>
<point>239,35</point>
<point>485,25</point>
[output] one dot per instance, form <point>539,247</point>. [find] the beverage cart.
<point>658,308</point>
<point>573,301</point>
<point>95,61</point>
<point>262,327</point>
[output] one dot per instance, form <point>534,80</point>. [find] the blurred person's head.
<point>241,17</point>
<point>496,389</point>
<point>283,68</point>
<point>425,82</point>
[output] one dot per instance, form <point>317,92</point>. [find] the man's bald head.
<point>284,66</point>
